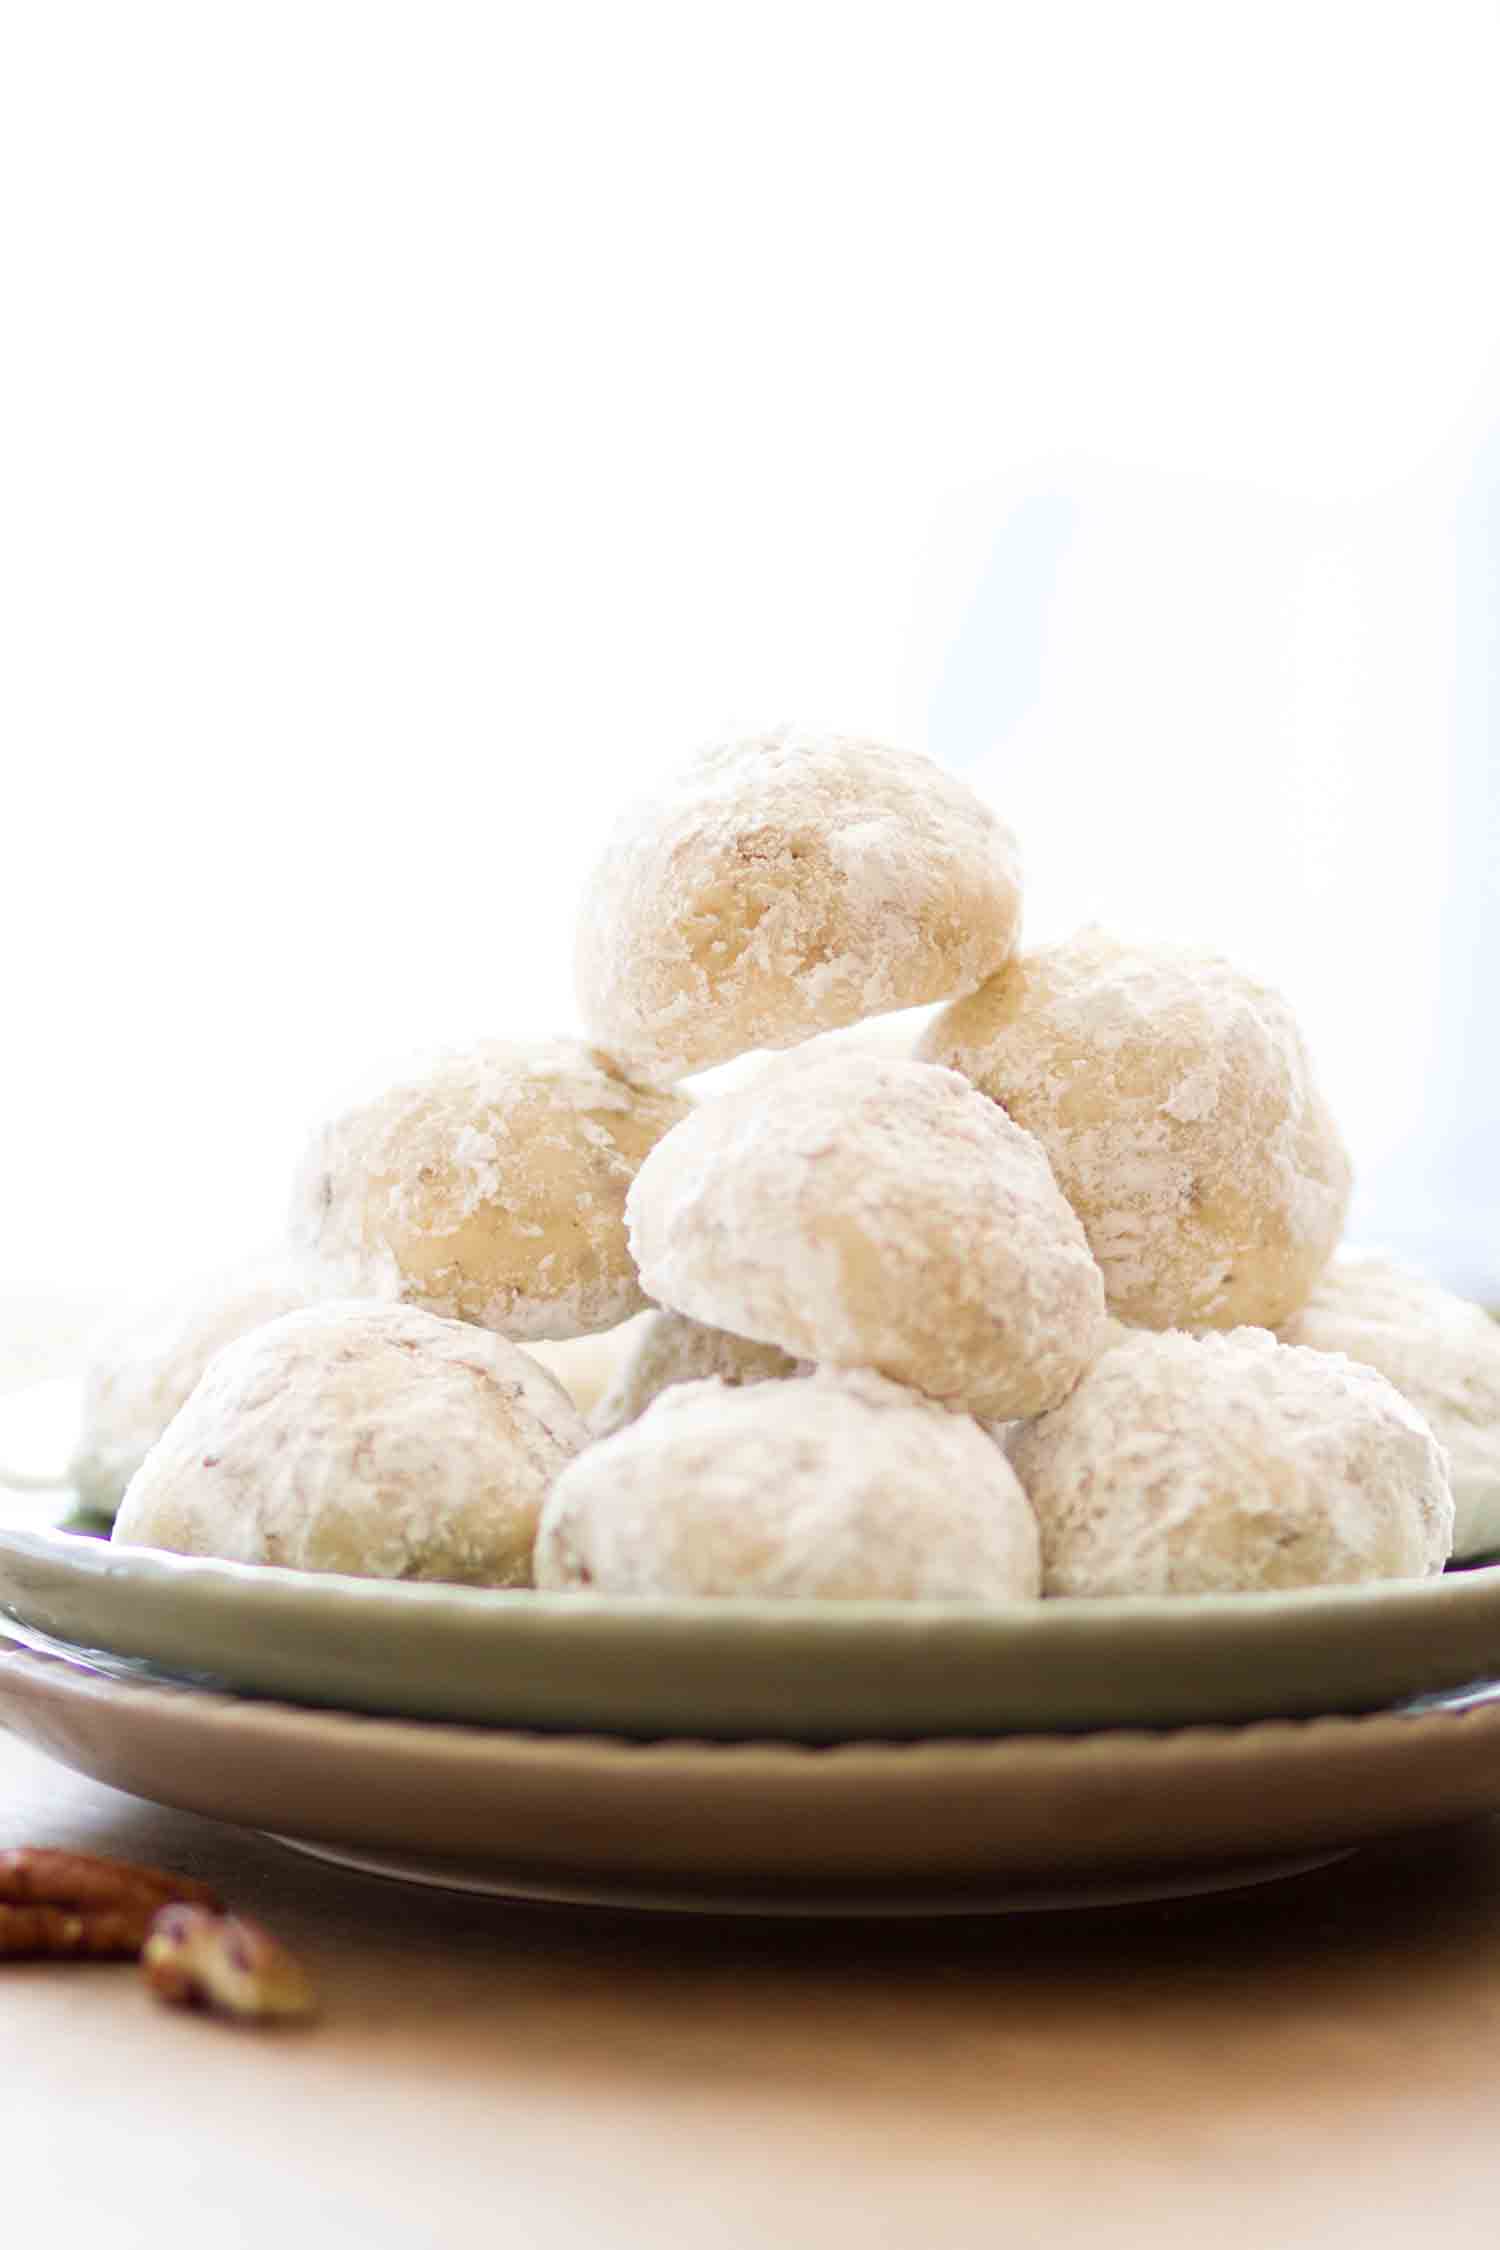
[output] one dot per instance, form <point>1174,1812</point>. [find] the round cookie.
<point>489,1187</point>
<point>144,1366</point>
<point>1232,1464</point>
<point>370,1439</point>
<point>843,1487</point>
<point>1443,1355</point>
<point>1175,1099</point>
<point>669,1348</point>
<point>872,1212</point>
<point>785,884</point>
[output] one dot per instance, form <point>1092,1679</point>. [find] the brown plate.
<point>916,1827</point>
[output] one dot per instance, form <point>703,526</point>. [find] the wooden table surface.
<point>1310,2063</point>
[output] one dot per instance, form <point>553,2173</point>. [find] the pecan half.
<point>194,1958</point>
<point>40,1877</point>
<point>63,1933</point>
<point>72,1906</point>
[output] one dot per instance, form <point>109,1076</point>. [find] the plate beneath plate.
<point>806,1671</point>
<point>917,1902</point>
<point>918,1827</point>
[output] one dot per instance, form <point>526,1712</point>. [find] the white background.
<point>422,422</point>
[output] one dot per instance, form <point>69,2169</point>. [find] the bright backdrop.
<point>421,423</point>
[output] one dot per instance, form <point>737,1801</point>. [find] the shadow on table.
<point>1317,1982</point>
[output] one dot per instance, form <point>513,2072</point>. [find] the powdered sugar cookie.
<point>1177,1104</point>
<point>842,1487</point>
<point>144,1366</point>
<point>669,1348</point>
<point>1232,1464</point>
<point>875,1213</point>
<point>370,1439</point>
<point>490,1187</point>
<point>784,884</point>
<point>1443,1355</point>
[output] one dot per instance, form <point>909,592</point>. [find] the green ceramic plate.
<point>803,1671</point>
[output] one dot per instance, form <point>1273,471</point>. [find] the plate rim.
<point>596,1663</point>
<point>633,1824</point>
<point>107,1558</point>
<point>74,1678</point>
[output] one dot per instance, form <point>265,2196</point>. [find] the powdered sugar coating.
<point>489,1186</point>
<point>781,885</point>
<point>144,1366</point>
<point>1232,1464</point>
<point>1443,1355</point>
<point>840,1488</point>
<point>370,1439</point>
<point>1175,1099</point>
<point>874,1212</point>
<point>669,1348</point>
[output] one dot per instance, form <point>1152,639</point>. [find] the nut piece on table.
<point>71,1933</point>
<point>197,1959</point>
<point>57,1905</point>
